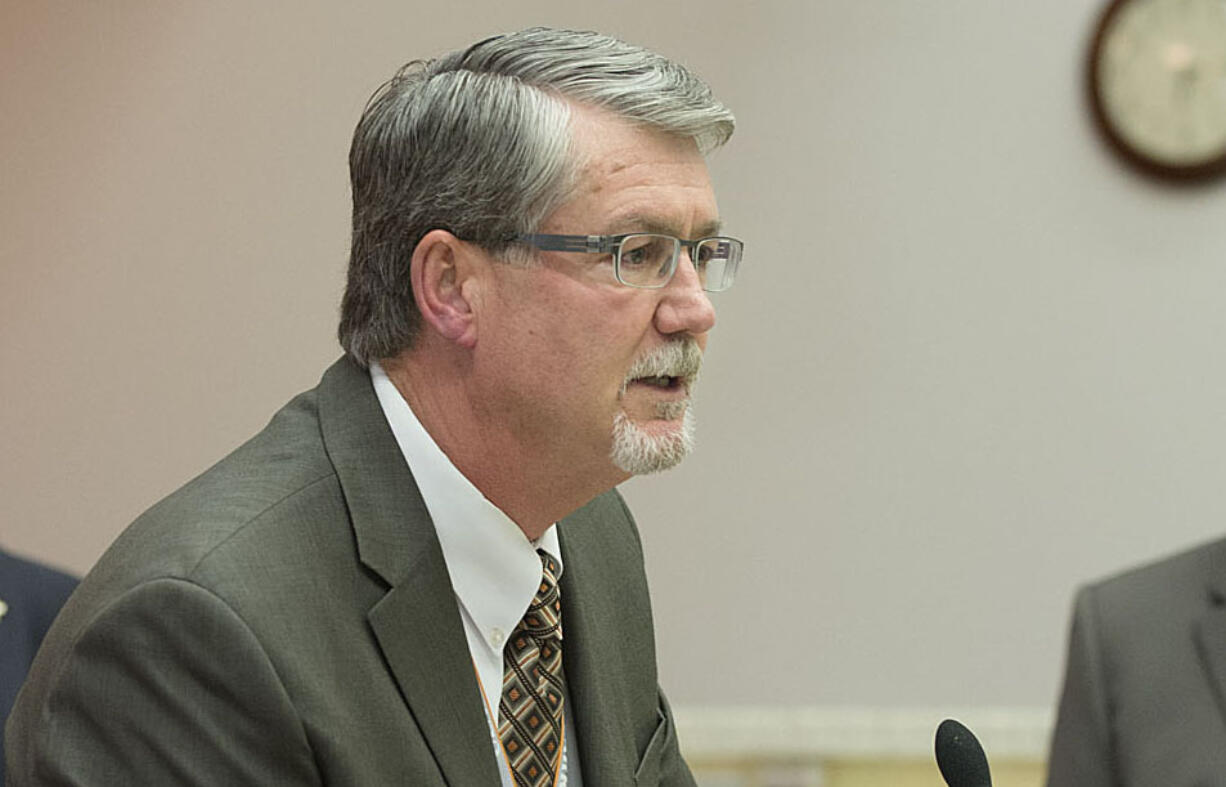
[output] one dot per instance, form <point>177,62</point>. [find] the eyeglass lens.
<point>649,260</point>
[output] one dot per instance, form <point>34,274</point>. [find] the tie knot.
<point>544,614</point>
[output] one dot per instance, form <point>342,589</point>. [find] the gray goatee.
<point>637,451</point>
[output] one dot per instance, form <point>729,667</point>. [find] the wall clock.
<point>1157,83</point>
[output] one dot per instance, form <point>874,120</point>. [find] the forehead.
<point>632,178</point>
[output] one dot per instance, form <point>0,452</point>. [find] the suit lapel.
<point>1209,631</point>
<point>417,623</point>
<point>599,709</point>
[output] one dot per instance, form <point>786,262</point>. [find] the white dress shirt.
<point>494,568</point>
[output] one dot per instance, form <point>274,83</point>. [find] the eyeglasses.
<point>643,259</point>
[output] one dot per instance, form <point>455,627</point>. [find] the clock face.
<point>1158,84</point>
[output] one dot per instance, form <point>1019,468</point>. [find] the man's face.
<point>589,371</point>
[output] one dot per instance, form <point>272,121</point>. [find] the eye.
<point>635,257</point>
<point>646,251</point>
<point>646,259</point>
<point>702,255</point>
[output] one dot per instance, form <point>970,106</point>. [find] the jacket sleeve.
<point>166,685</point>
<point>1081,749</point>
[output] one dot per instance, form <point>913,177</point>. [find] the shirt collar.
<point>494,568</point>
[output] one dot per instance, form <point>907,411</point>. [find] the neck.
<point>531,479</point>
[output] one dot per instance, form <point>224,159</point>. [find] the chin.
<point>641,448</point>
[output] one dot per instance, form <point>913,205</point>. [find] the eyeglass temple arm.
<point>591,244</point>
<point>598,244</point>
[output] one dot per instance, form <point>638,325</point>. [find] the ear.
<point>442,272</point>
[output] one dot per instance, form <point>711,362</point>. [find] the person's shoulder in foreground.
<point>526,308</point>
<point>1144,696</point>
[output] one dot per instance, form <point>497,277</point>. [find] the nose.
<point>684,306</point>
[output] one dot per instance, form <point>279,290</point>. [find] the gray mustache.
<point>679,358</point>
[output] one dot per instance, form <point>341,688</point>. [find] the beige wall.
<point>970,361</point>
<point>850,773</point>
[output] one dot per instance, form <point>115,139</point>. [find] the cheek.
<point>590,370</point>
<point>585,337</point>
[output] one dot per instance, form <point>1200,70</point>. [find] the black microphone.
<point>960,757</point>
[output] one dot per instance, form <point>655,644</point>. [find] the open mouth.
<point>661,381</point>
<point>669,370</point>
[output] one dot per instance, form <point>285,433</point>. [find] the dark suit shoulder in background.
<point>31,595</point>
<point>1144,698</point>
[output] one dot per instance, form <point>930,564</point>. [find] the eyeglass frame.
<point>612,244</point>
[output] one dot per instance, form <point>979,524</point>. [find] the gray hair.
<point>478,143</point>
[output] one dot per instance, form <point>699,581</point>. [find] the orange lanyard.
<point>506,758</point>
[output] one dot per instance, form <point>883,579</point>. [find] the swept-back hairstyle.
<point>478,143</point>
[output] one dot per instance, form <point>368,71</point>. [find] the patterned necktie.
<point>530,710</point>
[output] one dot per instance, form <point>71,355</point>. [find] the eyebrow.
<point>640,223</point>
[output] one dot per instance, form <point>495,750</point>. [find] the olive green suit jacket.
<point>287,618</point>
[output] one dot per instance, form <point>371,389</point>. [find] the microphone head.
<point>960,757</point>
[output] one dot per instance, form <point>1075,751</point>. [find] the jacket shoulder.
<point>1153,587</point>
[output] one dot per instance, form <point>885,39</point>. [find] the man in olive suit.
<point>420,572</point>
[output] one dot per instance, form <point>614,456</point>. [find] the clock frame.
<point>1186,168</point>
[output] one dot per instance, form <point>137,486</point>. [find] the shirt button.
<point>496,637</point>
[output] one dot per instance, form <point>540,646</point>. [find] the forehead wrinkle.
<point>638,222</point>
<point>634,179</point>
<point>598,171</point>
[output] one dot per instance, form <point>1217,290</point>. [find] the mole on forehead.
<point>600,170</point>
<point>604,156</point>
